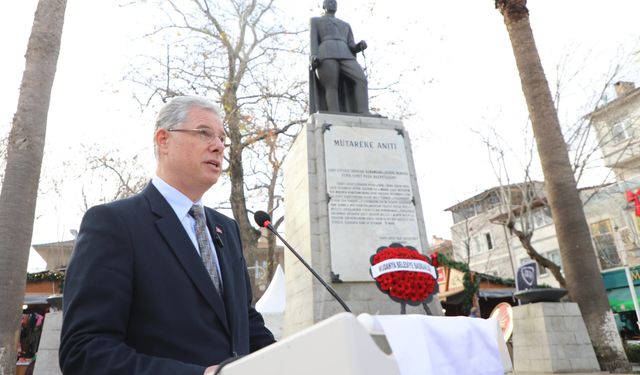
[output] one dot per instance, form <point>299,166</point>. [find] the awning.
<point>445,295</point>
<point>496,293</point>
<point>620,299</point>
<point>454,298</point>
<point>36,299</point>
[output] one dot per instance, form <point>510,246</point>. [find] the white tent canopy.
<point>273,302</point>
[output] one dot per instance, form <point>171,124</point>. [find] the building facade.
<point>486,246</point>
<point>484,241</point>
<point>617,126</point>
<point>481,239</point>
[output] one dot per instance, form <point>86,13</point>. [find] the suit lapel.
<point>172,231</point>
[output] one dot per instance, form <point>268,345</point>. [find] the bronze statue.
<point>337,82</point>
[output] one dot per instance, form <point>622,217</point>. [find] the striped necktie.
<point>206,253</point>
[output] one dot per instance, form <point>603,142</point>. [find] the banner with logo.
<point>527,276</point>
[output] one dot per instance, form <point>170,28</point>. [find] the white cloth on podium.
<point>435,345</point>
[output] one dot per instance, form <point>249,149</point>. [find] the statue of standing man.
<point>337,81</point>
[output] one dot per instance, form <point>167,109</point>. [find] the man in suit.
<point>154,286</point>
<point>333,56</point>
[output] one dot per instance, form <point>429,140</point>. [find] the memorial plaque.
<point>371,199</point>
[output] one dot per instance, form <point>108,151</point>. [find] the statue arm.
<point>314,42</point>
<point>353,46</point>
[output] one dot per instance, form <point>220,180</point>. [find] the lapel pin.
<point>216,239</point>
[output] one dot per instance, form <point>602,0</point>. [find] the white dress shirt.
<point>181,204</point>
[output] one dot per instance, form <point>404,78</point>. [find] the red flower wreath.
<point>409,287</point>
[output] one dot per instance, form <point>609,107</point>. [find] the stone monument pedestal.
<point>350,187</point>
<point>551,337</point>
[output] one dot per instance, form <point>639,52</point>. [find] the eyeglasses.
<point>205,135</point>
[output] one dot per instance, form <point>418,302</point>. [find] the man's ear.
<point>161,137</point>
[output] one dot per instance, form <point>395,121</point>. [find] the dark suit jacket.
<point>138,299</point>
<point>332,38</point>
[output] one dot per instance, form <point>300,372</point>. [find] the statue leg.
<point>329,75</point>
<point>352,70</point>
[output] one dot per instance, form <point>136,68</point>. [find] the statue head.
<point>330,6</point>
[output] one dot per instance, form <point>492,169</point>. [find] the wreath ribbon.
<point>410,265</point>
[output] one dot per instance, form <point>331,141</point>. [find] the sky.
<point>452,61</point>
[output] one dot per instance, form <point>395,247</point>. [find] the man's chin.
<point>213,180</point>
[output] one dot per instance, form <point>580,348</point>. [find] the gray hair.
<point>175,112</point>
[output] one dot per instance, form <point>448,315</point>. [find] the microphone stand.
<point>330,289</point>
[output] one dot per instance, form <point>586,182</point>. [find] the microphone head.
<point>262,219</point>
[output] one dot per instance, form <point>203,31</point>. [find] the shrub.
<point>633,352</point>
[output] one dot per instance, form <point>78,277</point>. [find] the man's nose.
<point>216,144</point>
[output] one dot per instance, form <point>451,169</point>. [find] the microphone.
<point>264,220</point>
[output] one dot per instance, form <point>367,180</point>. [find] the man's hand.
<point>315,62</point>
<point>210,370</point>
<point>362,45</point>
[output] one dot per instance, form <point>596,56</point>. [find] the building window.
<point>476,247</point>
<point>481,243</point>
<point>620,131</point>
<point>553,256</point>
<point>463,213</point>
<point>487,237</point>
<point>542,216</point>
<point>479,207</point>
<point>605,244</point>
<point>493,200</point>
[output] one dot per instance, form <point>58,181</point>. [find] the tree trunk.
<point>578,256</point>
<point>24,160</point>
<point>272,262</point>
<point>248,234</point>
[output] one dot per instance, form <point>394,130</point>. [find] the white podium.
<point>338,345</point>
<point>421,345</point>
